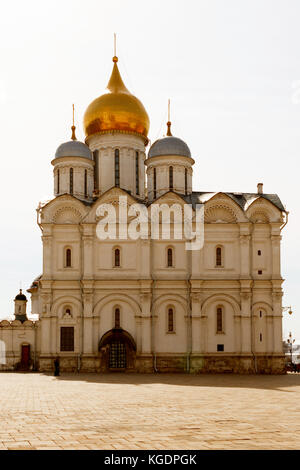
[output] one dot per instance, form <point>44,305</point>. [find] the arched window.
<point>68,257</point>
<point>219,320</point>
<point>170,257</point>
<point>85,183</point>
<point>117,257</point>
<point>154,183</point>
<point>67,313</point>
<point>117,318</point>
<point>117,168</point>
<point>185,181</point>
<point>137,173</point>
<point>170,320</point>
<point>218,256</point>
<point>58,181</point>
<point>171,178</point>
<point>71,180</point>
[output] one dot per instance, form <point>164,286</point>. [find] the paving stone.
<point>163,411</point>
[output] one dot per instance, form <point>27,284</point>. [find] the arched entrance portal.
<point>117,351</point>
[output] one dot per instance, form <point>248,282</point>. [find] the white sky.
<point>231,69</point>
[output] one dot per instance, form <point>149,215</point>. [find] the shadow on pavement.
<point>259,381</point>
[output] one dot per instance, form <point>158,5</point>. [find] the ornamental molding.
<point>219,213</point>
<point>67,214</point>
<point>245,239</point>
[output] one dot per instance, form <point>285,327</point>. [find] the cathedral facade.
<point>147,304</point>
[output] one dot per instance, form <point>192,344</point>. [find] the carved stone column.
<point>269,334</point>
<point>275,240</point>
<point>196,322</point>
<point>47,252</point>
<point>87,323</point>
<point>245,255</point>
<point>87,256</point>
<point>46,324</point>
<point>277,321</point>
<point>145,323</point>
<point>246,322</point>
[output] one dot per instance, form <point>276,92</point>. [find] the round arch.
<point>171,299</point>
<point>117,334</point>
<point>117,299</point>
<point>221,298</point>
<point>67,301</point>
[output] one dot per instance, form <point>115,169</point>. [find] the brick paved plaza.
<point>121,411</point>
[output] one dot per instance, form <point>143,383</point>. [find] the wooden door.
<point>25,357</point>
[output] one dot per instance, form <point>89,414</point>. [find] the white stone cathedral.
<point>147,305</point>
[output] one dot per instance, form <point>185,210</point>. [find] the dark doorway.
<point>25,356</point>
<point>117,351</point>
<point>117,355</point>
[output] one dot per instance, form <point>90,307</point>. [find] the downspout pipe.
<point>189,316</point>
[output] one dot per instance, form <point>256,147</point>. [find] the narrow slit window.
<point>137,172</point>
<point>171,178</point>
<point>170,320</point>
<point>170,257</point>
<point>68,258</point>
<point>259,252</point>
<point>154,183</point>
<point>218,256</point>
<point>185,181</point>
<point>85,183</point>
<point>117,168</point>
<point>71,180</point>
<point>58,181</point>
<point>117,257</point>
<point>96,169</point>
<point>117,318</point>
<point>260,337</point>
<point>219,320</point>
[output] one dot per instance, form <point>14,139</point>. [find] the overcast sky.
<point>232,72</point>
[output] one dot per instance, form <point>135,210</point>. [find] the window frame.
<point>116,248</point>
<point>137,173</point>
<point>168,309</point>
<point>222,331</point>
<point>115,310</point>
<point>154,183</point>
<point>171,178</point>
<point>222,251</point>
<point>85,183</point>
<point>68,249</point>
<point>173,257</point>
<point>65,348</point>
<point>71,181</point>
<point>117,168</point>
<point>58,182</point>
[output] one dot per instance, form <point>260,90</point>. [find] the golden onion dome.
<point>117,110</point>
